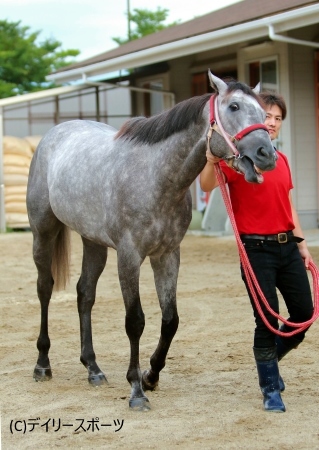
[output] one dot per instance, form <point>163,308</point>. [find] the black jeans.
<point>281,266</point>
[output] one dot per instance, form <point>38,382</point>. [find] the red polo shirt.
<point>262,208</point>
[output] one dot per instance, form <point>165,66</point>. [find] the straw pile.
<point>17,155</point>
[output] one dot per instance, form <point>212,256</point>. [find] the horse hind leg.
<point>165,274</point>
<point>93,263</point>
<point>51,250</point>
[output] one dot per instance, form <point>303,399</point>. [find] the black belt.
<point>282,238</point>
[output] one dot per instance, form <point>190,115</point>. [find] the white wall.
<point>298,134</point>
<point>303,131</point>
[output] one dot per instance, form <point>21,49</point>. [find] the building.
<point>276,43</point>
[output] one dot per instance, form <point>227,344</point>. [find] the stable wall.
<point>303,131</point>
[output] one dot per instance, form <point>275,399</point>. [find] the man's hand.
<point>305,254</point>
<point>212,159</point>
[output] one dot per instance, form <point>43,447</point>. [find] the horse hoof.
<point>97,379</point>
<point>147,385</point>
<point>139,404</point>
<point>42,373</point>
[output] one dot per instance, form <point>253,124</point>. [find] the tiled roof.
<point>241,12</point>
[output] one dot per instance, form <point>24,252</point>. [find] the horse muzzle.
<point>251,171</point>
<point>254,159</point>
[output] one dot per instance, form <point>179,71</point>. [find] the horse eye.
<point>234,107</point>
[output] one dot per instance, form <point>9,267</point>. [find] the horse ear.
<point>257,89</point>
<point>216,83</point>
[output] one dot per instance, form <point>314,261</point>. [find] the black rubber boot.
<point>268,374</point>
<point>282,386</point>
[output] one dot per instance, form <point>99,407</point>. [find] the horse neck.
<point>185,158</point>
<point>193,164</point>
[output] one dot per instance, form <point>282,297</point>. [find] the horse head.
<point>239,117</point>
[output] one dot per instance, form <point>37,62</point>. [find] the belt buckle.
<point>282,238</point>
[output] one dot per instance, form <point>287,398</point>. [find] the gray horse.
<point>129,190</point>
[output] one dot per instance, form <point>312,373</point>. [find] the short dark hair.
<point>271,99</point>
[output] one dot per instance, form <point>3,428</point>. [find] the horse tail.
<point>61,259</point>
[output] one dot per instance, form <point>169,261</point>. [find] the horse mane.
<point>159,127</point>
<point>156,128</point>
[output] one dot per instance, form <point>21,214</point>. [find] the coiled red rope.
<point>252,281</point>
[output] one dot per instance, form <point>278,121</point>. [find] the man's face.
<point>273,120</point>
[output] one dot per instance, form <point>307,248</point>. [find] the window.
<point>152,101</point>
<point>265,72</point>
<point>152,96</point>
<point>200,84</point>
<point>200,81</point>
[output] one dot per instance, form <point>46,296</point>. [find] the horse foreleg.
<point>165,274</point>
<point>129,263</point>
<point>93,263</point>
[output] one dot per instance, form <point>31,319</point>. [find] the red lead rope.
<point>252,281</point>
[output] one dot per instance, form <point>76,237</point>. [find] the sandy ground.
<point>208,396</point>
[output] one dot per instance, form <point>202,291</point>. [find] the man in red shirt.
<point>270,230</point>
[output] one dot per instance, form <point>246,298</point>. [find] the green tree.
<point>146,22</point>
<point>24,63</point>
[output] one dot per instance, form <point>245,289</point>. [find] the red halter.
<point>216,125</point>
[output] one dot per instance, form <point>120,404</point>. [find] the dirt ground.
<point>208,397</point>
